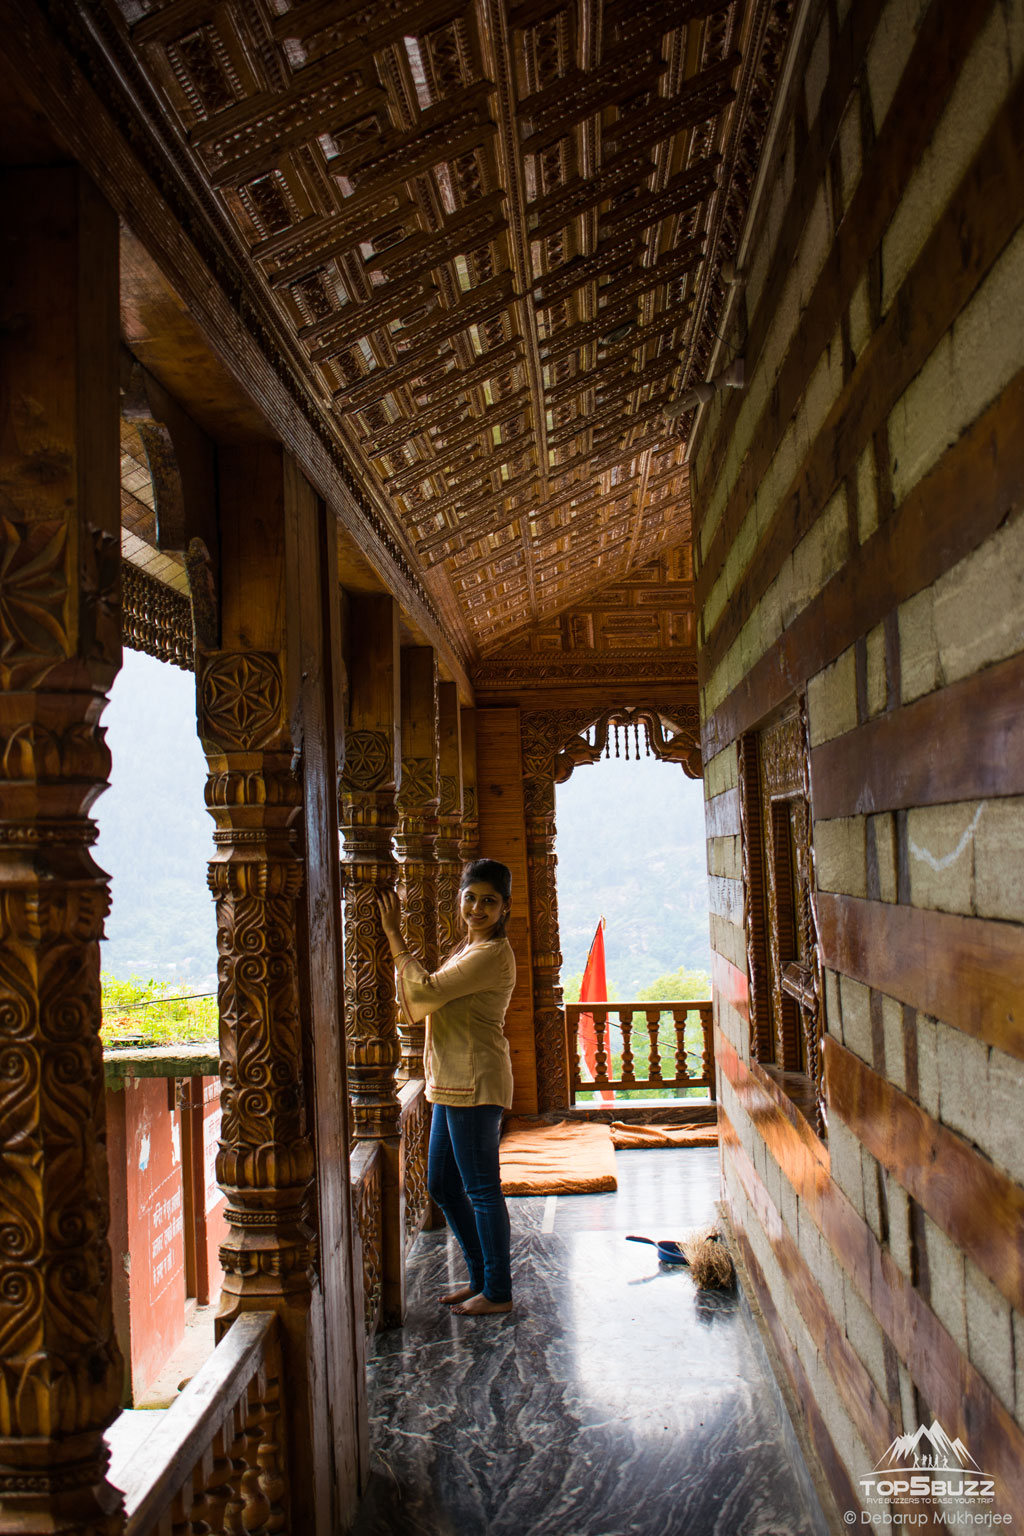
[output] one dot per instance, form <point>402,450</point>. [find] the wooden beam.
<point>924,537</point>
<point>974,228</point>
<point>838,1478</point>
<point>931,71</point>
<point>870,1414</point>
<point>369,783</point>
<point>60,649</point>
<point>955,1391</point>
<point>980,1208</point>
<point>963,970</point>
<point>964,742</point>
<point>503,836</point>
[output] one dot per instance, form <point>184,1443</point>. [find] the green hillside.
<point>631,848</point>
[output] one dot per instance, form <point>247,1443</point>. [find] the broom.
<point>709,1260</point>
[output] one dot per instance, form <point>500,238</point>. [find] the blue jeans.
<point>464,1178</point>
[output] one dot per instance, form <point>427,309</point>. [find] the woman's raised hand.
<point>390,911</point>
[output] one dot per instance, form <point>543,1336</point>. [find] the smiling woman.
<point>469,1076</point>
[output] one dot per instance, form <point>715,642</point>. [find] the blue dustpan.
<point>668,1251</point>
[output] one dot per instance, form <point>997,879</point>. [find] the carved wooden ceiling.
<point>493,232</point>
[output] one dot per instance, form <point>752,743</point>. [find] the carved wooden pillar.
<point>417,828</point>
<point>60,648</point>
<point>246,700</point>
<point>469,843</point>
<point>541,863</point>
<point>369,786</point>
<point>449,821</point>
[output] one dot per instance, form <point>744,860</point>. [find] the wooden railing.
<point>215,1461</point>
<point>415,1125</point>
<point>636,1051</point>
<point>367,1174</point>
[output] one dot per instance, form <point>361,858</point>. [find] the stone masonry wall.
<point>860,542</point>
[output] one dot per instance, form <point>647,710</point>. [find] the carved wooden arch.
<point>553,743</point>
<point>669,740</point>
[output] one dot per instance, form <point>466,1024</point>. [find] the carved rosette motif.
<point>369,815</point>
<point>449,865</point>
<point>417,886</point>
<point>265,1161</point>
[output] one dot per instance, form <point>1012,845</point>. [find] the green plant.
<point>155,1013</point>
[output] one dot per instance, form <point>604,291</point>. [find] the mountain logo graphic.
<point>927,1447</point>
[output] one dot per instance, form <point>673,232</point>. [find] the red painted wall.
<point>215,1203</point>
<point>144,1160</point>
<point>150,1141</point>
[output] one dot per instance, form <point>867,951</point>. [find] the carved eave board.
<point>492,236</point>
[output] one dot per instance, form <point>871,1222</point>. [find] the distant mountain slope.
<point>630,846</point>
<point>156,836</point>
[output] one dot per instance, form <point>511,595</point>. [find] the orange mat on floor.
<point>626,1136</point>
<point>563,1159</point>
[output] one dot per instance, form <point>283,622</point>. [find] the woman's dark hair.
<point>492,873</point>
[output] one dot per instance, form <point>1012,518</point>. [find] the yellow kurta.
<point>466,1056</point>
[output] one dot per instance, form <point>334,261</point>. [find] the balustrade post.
<point>60,648</point>
<point>369,787</point>
<point>417,829</point>
<point>449,820</point>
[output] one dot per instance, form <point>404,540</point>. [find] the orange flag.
<point>594,989</point>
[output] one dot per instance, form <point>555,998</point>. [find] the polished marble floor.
<point>614,1400</point>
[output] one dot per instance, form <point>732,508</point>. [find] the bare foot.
<point>479,1306</point>
<point>463,1293</point>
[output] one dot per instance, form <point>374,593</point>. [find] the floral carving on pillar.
<point>60,648</point>
<point>417,885</point>
<point>369,816</point>
<point>265,1162</point>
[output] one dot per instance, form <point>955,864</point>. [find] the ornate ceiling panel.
<point>494,231</point>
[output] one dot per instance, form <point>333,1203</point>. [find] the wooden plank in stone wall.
<point>952,1387</point>
<point>973,230</point>
<point>925,536</point>
<point>503,836</point>
<point>969,1198</point>
<point>965,971</point>
<point>964,742</point>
